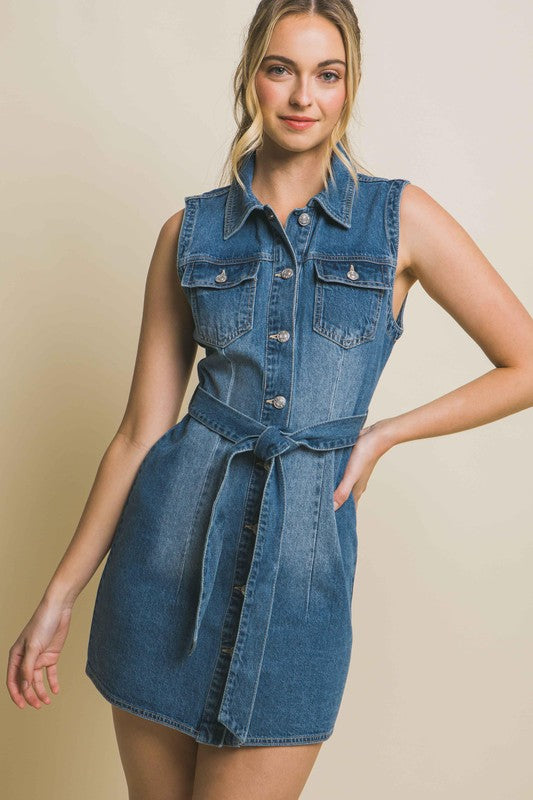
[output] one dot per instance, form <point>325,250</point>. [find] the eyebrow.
<point>293,63</point>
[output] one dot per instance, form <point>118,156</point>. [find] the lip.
<point>298,123</point>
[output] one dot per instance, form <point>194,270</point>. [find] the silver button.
<point>281,336</point>
<point>352,274</point>
<point>221,277</point>
<point>278,401</point>
<point>304,219</point>
<point>286,272</point>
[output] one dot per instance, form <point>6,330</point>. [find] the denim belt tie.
<point>268,443</point>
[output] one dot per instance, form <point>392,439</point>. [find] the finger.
<point>53,681</point>
<point>11,680</point>
<point>27,673</point>
<point>29,694</point>
<point>39,686</point>
<point>341,493</point>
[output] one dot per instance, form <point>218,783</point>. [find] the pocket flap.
<point>355,272</point>
<point>204,273</point>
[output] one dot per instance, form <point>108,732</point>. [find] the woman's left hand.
<point>373,442</point>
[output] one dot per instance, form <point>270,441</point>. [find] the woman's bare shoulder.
<point>172,226</point>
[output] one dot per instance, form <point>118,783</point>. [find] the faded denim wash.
<point>224,607</point>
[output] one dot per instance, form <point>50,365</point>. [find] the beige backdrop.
<point>113,112</point>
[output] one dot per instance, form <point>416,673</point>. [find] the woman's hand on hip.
<point>373,442</point>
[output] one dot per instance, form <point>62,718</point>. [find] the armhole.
<point>185,234</point>
<point>392,228</point>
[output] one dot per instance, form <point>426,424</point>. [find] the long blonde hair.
<point>246,108</point>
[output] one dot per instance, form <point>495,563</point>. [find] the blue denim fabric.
<point>224,607</point>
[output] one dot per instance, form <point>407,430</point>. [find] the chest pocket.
<point>348,299</point>
<point>222,298</point>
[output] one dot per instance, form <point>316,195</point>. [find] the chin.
<point>295,144</point>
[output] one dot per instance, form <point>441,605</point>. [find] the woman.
<point>221,632</point>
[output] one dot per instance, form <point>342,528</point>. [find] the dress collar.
<point>336,199</point>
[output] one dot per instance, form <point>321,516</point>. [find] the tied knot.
<point>271,442</point>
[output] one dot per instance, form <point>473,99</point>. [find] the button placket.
<point>280,313</point>
<point>290,246</point>
<point>240,576</point>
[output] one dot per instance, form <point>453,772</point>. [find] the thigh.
<point>257,773</point>
<point>158,761</point>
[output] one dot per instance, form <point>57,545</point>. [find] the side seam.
<point>395,327</point>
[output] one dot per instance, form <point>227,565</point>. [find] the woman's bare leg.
<point>254,773</point>
<point>158,761</point>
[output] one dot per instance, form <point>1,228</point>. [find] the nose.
<point>302,95</point>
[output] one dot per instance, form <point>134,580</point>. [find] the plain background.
<point>112,113</point>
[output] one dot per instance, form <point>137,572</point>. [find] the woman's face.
<point>294,81</point>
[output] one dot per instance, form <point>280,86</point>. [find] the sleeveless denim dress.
<point>224,606</point>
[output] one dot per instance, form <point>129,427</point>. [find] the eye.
<point>335,75</point>
<point>278,66</point>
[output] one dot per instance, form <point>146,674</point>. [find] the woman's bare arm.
<point>165,356</point>
<point>163,365</point>
<point>439,253</point>
<point>454,272</point>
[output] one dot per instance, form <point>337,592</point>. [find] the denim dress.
<point>224,606</point>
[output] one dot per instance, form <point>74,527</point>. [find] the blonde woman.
<point>221,632</point>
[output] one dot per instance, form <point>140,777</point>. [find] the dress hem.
<point>196,734</point>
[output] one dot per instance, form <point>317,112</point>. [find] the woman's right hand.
<point>38,648</point>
